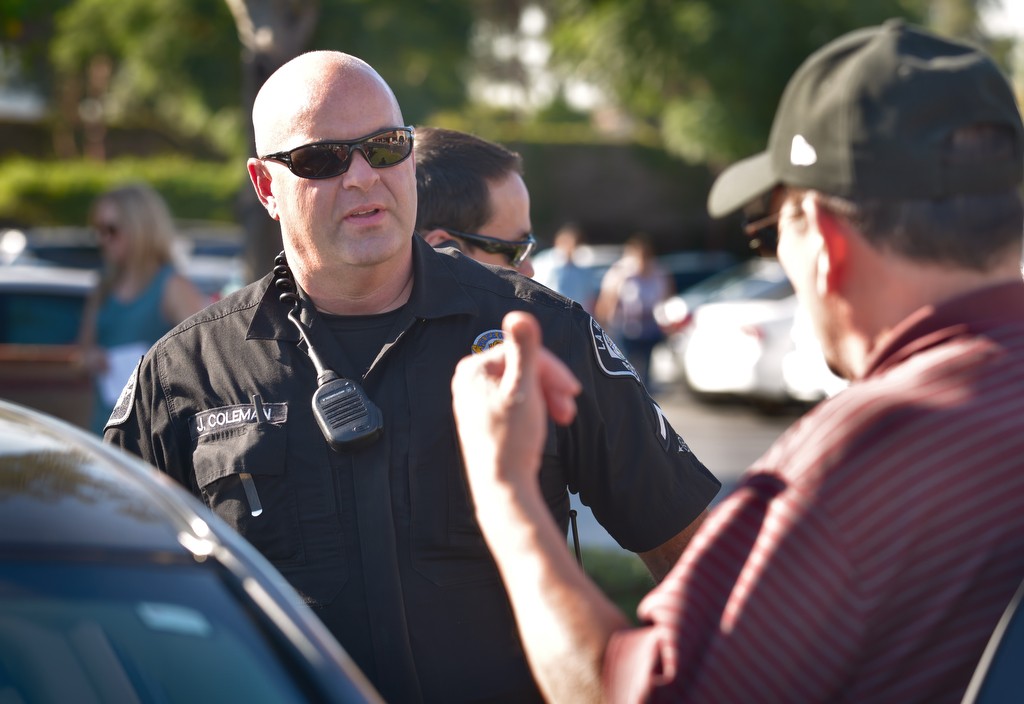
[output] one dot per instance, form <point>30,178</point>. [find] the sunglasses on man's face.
<point>517,251</point>
<point>329,159</point>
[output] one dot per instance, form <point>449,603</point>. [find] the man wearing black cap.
<point>868,554</point>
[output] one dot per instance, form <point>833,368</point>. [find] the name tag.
<point>217,419</point>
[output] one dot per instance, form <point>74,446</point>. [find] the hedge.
<point>38,193</point>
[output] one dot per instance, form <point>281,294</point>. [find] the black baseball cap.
<point>866,116</point>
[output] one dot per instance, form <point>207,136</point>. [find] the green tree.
<point>159,65</point>
<point>707,74</point>
<point>189,69</point>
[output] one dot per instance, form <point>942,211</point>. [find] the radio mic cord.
<point>346,416</point>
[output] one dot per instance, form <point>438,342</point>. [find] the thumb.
<point>535,374</point>
<point>522,345</point>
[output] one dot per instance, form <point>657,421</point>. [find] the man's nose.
<point>359,174</point>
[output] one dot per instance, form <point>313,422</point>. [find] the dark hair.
<point>970,231</point>
<point>453,172</point>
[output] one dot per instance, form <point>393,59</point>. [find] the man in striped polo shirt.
<point>867,556</point>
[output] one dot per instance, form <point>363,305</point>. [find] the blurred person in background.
<point>140,295</point>
<point>564,274</point>
<point>471,196</point>
<point>869,553</point>
<point>630,290</point>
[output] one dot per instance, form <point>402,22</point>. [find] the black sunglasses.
<point>764,234</point>
<point>329,159</point>
<point>517,251</point>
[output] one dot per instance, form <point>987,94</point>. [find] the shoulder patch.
<point>486,340</point>
<point>126,400</point>
<point>609,357</point>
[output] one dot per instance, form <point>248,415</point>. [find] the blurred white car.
<point>750,279</point>
<point>805,374</point>
<point>737,348</point>
<point>742,334</point>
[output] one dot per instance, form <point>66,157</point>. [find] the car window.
<point>38,318</point>
<point>82,631</point>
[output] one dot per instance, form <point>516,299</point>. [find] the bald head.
<point>287,107</point>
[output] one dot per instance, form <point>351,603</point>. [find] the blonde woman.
<point>140,295</point>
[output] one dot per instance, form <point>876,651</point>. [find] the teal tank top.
<point>130,325</point>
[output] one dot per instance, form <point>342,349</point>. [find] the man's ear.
<point>835,235</point>
<point>439,238</point>
<point>261,178</point>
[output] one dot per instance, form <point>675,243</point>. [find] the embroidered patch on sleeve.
<point>126,400</point>
<point>609,357</point>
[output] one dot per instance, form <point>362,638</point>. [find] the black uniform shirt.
<point>382,541</point>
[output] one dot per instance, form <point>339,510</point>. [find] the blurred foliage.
<point>51,193</point>
<point>708,74</point>
<point>962,18</point>
<point>418,46</point>
<point>507,126</point>
<point>698,78</point>
<point>174,66</point>
<point>170,65</point>
<point>622,576</point>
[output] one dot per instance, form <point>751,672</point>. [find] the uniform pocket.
<point>258,450</point>
<point>448,548</point>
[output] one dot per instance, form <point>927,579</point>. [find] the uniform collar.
<point>436,293</point>
<point>436,290</point>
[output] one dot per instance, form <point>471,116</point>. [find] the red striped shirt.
<point>867,556</point>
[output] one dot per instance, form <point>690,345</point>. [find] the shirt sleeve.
<point>622,456</point>
<point>759,608</point>
<point>144,427</point>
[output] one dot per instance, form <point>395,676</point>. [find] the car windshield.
<point>84,632</point>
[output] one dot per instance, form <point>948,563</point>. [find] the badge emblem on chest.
<point>486,340</point>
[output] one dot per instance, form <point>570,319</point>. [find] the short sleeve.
<point>759,608</point>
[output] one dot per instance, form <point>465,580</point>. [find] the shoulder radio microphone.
<point>347,417</point>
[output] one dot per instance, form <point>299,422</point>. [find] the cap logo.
<point>801,153</point>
